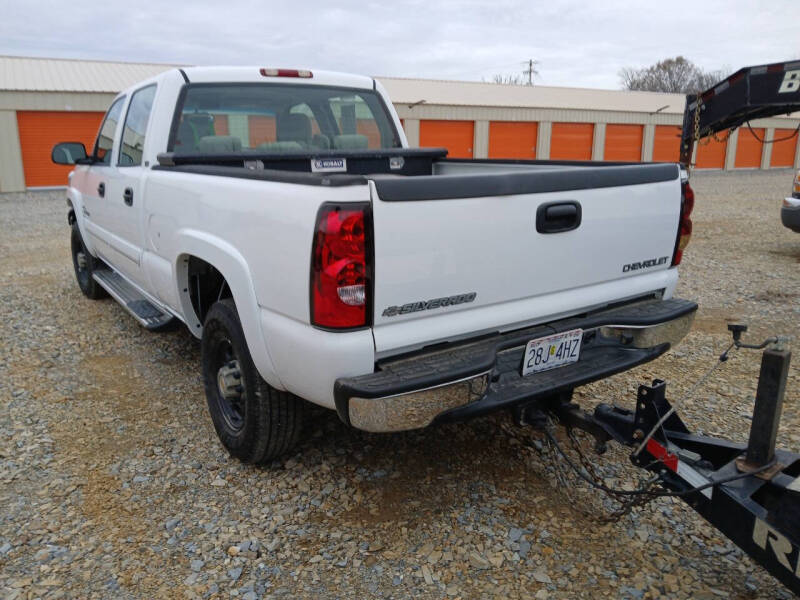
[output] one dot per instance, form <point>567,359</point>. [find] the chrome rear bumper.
<point>479,377</point>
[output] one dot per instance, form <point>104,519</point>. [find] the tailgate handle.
<point>557,217</point>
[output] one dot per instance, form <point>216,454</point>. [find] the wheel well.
<point>206,285</point>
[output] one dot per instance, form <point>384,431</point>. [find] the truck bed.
<point>458,249</point>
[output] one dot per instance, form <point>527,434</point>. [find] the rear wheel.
<point>254,421</point>
<point>85,265</point>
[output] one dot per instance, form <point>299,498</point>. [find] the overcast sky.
<point>576,43</point>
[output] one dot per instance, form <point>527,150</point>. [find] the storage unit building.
<point>44,101</point>
<point>522,122</point>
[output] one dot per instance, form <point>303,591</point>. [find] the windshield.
<point>280,118</point>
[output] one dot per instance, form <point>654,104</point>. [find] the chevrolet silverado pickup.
<point>281,216</point>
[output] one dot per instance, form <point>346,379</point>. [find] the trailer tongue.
<point>749,492</point>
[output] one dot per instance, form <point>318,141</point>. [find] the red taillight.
<point>685,223</point>
<point>302,73</point>
<point>340,272</point>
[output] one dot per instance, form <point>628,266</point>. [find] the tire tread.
<point>278,414</point>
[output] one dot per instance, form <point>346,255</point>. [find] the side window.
<point>135,127</point>
<point>105,139</point>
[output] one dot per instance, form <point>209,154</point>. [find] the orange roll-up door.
<point>456,136</point>
<point>667,143</point>
<point>748,148</point>
<point>571,141</point>
<point>511,139</point>
<point>261,130</point>
<point>221,125</point>
<point>39,131</point>
<point>368,128</point>
<point>783,151</point>
<point>711,153</point>
<point>623,142</point>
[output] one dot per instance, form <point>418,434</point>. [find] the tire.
<point>85,265</point>
<point>255,422</point>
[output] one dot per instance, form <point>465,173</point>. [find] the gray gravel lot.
<point>113,484</point>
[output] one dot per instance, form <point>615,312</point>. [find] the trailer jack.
<point>749,492</point>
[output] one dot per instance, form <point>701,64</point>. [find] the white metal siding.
<point>12,177</point>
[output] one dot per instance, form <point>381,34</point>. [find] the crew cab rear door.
<point>456,255</point>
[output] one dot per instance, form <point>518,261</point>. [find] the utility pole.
<point>530,71</point>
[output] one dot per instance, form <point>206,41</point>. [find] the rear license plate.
<point>552,351</point>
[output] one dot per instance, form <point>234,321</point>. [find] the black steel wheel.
<point>85,265</point>
<point>254,421</point>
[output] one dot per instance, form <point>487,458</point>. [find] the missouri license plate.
<point>551,352</point>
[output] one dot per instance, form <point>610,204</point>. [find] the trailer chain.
<point>695,133</point>
<point>627,504</point>
<point>554,455</point>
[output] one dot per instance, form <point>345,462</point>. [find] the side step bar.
<point>144,311</point>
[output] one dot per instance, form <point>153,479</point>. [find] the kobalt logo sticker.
<point>328,165</point>
<point>393,311</point>
<point>645,264</point>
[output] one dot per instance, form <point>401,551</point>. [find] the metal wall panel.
<point>12,178</point>
<point>78,101</point>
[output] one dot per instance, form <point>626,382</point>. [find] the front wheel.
<point>254,421</point>
<point>85,265</point>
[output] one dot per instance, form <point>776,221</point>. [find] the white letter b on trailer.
<point>791,82</point>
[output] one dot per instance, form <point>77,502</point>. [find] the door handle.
<point>128,196</point>
<point>101,189</point>
<point>557,217</point>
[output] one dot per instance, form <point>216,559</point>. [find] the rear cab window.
<point>279,118</point>
<point>106,137</point>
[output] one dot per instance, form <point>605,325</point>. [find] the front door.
<point>98,180</point>
<point>125,193</point>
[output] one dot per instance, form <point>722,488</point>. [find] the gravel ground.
<point>113,484</point>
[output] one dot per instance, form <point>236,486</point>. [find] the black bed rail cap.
<point>478,185</point>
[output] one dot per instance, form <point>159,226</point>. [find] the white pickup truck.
<point>282,217</point>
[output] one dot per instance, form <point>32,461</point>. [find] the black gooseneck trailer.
<point>749,492</point>
<point>750,93</point>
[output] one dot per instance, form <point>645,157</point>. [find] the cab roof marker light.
<point>302,73</point>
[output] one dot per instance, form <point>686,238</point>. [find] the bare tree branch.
<point>509,79</point>
<point>672,75</point>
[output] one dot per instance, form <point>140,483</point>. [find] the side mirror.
<point>68,153</point>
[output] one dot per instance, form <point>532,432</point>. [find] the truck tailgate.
<point>458,254</point>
